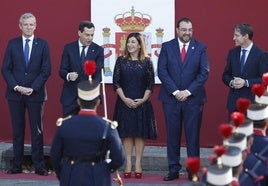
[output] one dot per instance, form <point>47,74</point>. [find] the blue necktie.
<point>243,59</point>
<point>26,51</point>
<point>83,55</point>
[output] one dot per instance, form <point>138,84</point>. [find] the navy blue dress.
<point>134,78</point>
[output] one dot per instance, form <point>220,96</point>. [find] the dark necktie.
<point>243,59</point>
<point>26,51</point>
<point>83,55</point>
<point>183,53</point>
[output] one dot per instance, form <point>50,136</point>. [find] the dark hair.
<point>259,124</point>
<point>85,24</point>
<point>88,104</point>
<point>142,53</point>
<point>184,19</point>
<point>245,29</point>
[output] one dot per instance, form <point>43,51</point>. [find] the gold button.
<point>72,162</point>
<point>93,163</point>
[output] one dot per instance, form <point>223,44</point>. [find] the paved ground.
<point>18,182</point>
<point>154,167</point>
<point>35,180</point>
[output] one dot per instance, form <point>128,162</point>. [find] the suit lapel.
<point>250,56</point>
<point>20,48</point>
<point>236,59</point>
<point>34,49</point>
<point>77,53</point>
<point>78,64</point>
<point>176,50</point>
<point>250,59</point>
<point>189,52</point>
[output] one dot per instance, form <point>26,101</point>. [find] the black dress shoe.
<point>171,176</point>
<point>41,171</point>
<point>14,170</point>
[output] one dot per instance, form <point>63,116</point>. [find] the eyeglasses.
<point>185,30</point>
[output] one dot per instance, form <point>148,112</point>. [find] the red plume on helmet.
<point>219,150</point>
<point>193,164</point>
<point>212,159</point>
<point>242,104</point>
<point>90,68</point>
<point>235,183</point>
<point>226,130</point>
<point>265,79</point>
<point>258,89</point>
<point>238,118</point>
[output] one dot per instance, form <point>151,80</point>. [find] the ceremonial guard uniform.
<point>253,171</point>
<point>260,144</point>
<point>83,142</point>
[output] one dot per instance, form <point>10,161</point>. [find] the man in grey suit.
<point>26,68</point>
<point>183,69</point>
<point>72,69</point>
<point>242,71</point>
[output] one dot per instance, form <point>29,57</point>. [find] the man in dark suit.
<point>182,92</point>
<point>26,68</point>
<point>86,148</point>
<point>71,68</point>
<point>242,71</point>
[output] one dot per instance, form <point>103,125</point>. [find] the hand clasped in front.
<point>182,96</point>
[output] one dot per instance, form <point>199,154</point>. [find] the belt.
<point>91,160</point>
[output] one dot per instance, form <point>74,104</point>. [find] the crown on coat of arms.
<point>132,21</point>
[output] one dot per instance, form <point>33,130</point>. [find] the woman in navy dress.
<point>133,81</point>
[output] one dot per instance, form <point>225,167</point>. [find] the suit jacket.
<point>34,75</point>
<point>71,62</point>
<point>256,64</point>
<point>81,136</point>
<point>191,74</point>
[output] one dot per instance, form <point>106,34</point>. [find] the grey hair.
<point>26,16</point>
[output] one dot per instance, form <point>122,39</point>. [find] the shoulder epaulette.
<point>114,124</point>
<point>60,120</point>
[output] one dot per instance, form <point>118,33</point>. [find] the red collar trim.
<point>259,132</point>
<point>87,112</point>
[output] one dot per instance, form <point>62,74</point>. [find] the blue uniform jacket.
<point>81,136</point>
